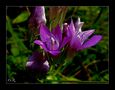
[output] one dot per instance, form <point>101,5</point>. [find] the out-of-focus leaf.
<point>51,77</point>
<point>22,29</point>
<point>21,17</point>
<point>17,41</point>
<point>72,79</point>
<point>15,51</point>
<point>96,77</point>
<point>106,77</point>
<point>21,62</point>
<point>10,74</point>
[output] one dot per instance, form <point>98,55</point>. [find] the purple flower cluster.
<point>76,39</point>
<point>53,41</point>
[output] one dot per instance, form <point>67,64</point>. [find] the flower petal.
<point>35,56</point>
<point>66,31</point>
<point>71,28</point>
<point>92,41</point>
<point>75,43</point>
<point>85,34</point>
<point>29,63</point>
<point>58,33</point>
<point>54,52</point>
<point>52,44</point>
<point>44,33</point>
<point>64,42</point>
<point>78,25</point>
<point>38,42</point>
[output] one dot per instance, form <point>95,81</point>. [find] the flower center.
<point>52,44</point>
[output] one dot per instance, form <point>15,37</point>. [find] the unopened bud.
<point>40,14</point>
<point>37,63</point>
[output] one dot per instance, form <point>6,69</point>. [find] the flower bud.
<point>37,63</point>
<point>37,17</point>
<point>39,14</point>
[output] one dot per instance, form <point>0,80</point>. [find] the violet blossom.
<point>39,13</point>
<point>78,38</point>
<point>37,63</point>
<point>38,16</point>
<point>51,42</point>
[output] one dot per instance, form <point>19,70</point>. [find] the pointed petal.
<point>44,33</point>
<point>75,43</point>
<point>64,42</point>
<point>54,52</point>
<point>66,31</point>
<point>85,34</point>
<point>78,25</point>
<point>29,63</point>
<point>57,33</point>
<point>92,41</point>
<point>38,42</point>
<point>71,28</point>
<point>52,44</point>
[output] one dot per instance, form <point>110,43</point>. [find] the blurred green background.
<point>88,66</point>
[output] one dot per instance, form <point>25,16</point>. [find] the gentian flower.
<point>37,63</point>
<point>79,39</point>
<point>39,14</point>
<point>37,17</point>
<point>51,42</point>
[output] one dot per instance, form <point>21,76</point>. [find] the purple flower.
<point>79,39</point>
<point>39,13</point>
<point>51,42</point>
<point>37,17</point>
<point>37,63</point>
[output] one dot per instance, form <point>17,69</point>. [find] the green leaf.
<point>21,17</point>
<point>15,51</point>
<point>106,77</point>
<point>72,79</point>
<point>51,77</point>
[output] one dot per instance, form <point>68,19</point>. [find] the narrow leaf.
<point>21,17</point>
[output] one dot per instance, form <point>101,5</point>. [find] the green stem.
<point>59,68</point>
